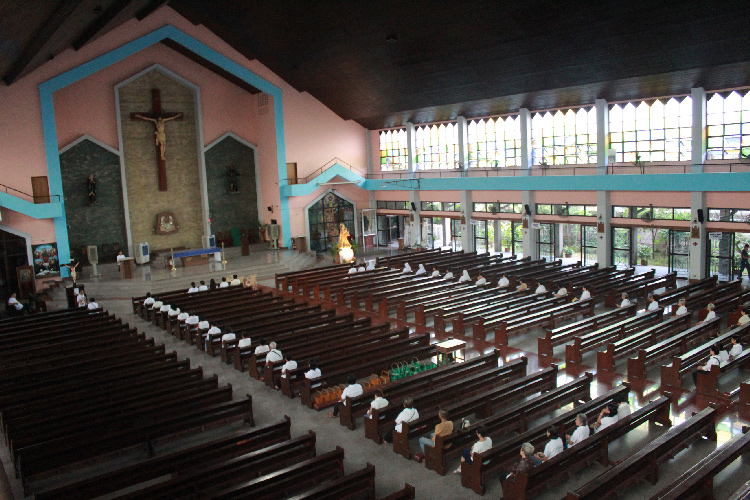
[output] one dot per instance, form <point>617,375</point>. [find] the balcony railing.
<point>30,197</point>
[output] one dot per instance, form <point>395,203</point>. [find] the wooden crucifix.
<point>158,118</point>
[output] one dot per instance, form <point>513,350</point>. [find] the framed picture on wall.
<point>46,261</point>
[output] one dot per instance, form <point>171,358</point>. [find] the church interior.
<point>374,250</point>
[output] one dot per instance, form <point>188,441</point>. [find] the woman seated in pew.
<point>481,281</point>
<point>582,431</point>
<point>244,341</point>
<point>444,428</point>
<point>352,270</point>
<point>653,305</point>
<point>93,305</point>
<point>192,288</point>
<point>148,303</point>
<point>164,308</point>
<point>554,446</point>
<point>314,371</point>
<point>448,275</point>
<point>504,282</point>
<point>736,349</point>
<point>585,294</point>
<point>212,329</point>
<point>484,443</point>
<point>607,416</point>
<point>262,348</point>
<point>625,301</point>
<point>156,306</point>
<point>743,316</point>
<point>421,270</point>
<point>435,273</point>
<point>352,390</point>
<point>408,414</point>
<point>465,278</point>
<point>182,316</point>
<point>522,286</point>
<point>526,464</point>
<point>562,292</point>
<point>378,403</point>
<point>212,284</point>
<point>370,265</point>
<point>203,325</point>
<point>361,269</point>
<point>711,313</point>
<point>681,309</point>
<point>713,360</point>
<point>541,289</point>
<point>192,321</point>
<point>623,406</point>
<point>174,312</point>
<point>723,354</point>
<point>407,268</point>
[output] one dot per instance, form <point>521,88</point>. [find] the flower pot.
<point>568,255</point>
<point>644,262</point>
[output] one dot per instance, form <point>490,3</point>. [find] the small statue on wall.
<point>91,188</point>
<point>232,174</point>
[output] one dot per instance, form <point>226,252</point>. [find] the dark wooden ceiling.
<point>386,62</point>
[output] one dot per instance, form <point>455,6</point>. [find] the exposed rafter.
<point>149,8</point>
<point>100,22</point>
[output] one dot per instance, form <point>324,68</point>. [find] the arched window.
<point>657,130</point>
<point>728,121</point>
<point>393,151</point>
<point>325,216</point>
<point>564,137</point>
<point>494,142</point>
<point>436,146</point>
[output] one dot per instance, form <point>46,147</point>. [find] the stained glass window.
<point>564,137</point>
<point>728,121</point>
<point>325,216</point>
<point>393,150</point>
<point>494,142</point>
<point>436,146</point>
<point>659,131</point>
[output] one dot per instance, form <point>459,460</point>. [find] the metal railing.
<point>18,194</point>
<point>324,167</point>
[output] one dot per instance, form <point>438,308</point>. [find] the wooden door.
<point>291,173</point>
<point>40,189</point>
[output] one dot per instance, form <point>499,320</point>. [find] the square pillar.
<point>525,121</point>
<point>602,136</point>
<point>603,229</point>
<point>699,132</point>
<point>497,244</point>
<point>463,141</point>
<point>467,229</point>
<point>698,246</point>
<point>414,221</point>
<point>529,234</point>
<point>411,154</point>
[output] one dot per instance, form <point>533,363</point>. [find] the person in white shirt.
<point>553,447</point>
<point>352,390</point>
<point>582,431</point>
<point>481,281</point>
<point>120,258</point>
<point>736,349</point>
<point>465,278</point>
<point>149,302</point>
<point>723,354</point>
<point>607,416</point>
<point>203,325</point>
<point>352,270</point>
<point>448,276</point>
<point>288,365</point>
<point>504,282</point>
<point>711,313</point>
<point>743,316</point>
<point>653,305</point>
<point>370,265</point>
<point>262,348</point>
<point>92,304</point>
<point>625,301</point>
<point>435,272</point>
<point>562,292</point>
<point>585,294</point>
<point>157,305</point>
<point>377,404</point>
<point>408,414</point>
<point>235,281</point>
<point>192,288</point>
<point>713,360</point>
<point>483,444</point>
<point>203,287</point>
<point>174,312</point>
<point>165,308</point>
<point>192,321</point>
<point>13,301</point>
<point>541,289</point>
<point>223,283</point>
<point>244,341</point>
<point>421,270</point>
<point>361,269</point>
<point>407,268</point>
<point>228,335</point>
<point>681,310</point>
<point>183,316</point>
<point>81,299</point>
<point>314,371</point>
<point>274,355</point>
<point>623,407</point>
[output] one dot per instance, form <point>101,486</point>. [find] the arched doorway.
<point>13,253</point>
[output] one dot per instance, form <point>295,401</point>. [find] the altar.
<point>198,256</point>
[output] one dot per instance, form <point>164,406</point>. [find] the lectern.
<point>126,268</point>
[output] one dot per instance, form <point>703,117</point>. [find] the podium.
<point>126,268</point>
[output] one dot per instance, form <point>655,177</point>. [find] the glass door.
<point>679,252</point>
<point>517,238</point>
<point>455,234</point>
<point>621,253</point>
<point>482,229</point>
<point>723,255</point>
<point>588,245</point>
<point>545,243</point>
<point>435,232</point>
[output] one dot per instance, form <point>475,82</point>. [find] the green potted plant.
<point>644,253</point>
<point>568,252</point>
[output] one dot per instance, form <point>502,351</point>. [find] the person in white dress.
<point>192,288</point>
<point>481,281</point>
<point>541,289</point>
<point>582,430</point>
<point>352,390</point>
<point>377,404</point>
<point>223,283</point>
<point>607,416</point>
<point>625,301</point>
<point>504,282</point>
<point>484,443</point>
<point>407,268</point>
<point>370,265</point>
<point>723,354</point>
<point>408,414</point>
<point>93,305</point>
<point>681,310</point>
<point>465,278</point>
<point>711,313</point>
<point>553,447</point>
<point>421,270</point>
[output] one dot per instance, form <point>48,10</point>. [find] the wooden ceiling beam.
<point>90,31</point>
<point>149,8</point>
<point>40,39</point>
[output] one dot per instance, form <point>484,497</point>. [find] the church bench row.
<point>671,375</point>
<point>602,336</point>
<point>472,307</point>
<point>670,297</point>
<point>599,277</point>
<point>305,287</point>
<point>445,298</point>
<point>493,315</point>
<point>62,323</point>
<point>697,482</point>
<point>359,485</point>
<point>172,464</point>
<point>729,304</point>
<point>283,280</point>
<point>639,288</point>
<point>515,418</point>
<point>481,404</point>
<point>429,291</point>
<point>359,281</point>
<point>645,462</point>
<point>176,295</point>
<point>21,323</point>
<point>214,302</point>
<point>624,347</point>
<point>399,259</point>
<point>554,337</point>
<point>383,419</point>
<point>707,383</point>
<point>60,336</point>
<point>703,297</point>
<point>595,447</point>
<point>475,475</point>
<point>425,381</point>
<point>668,348</point>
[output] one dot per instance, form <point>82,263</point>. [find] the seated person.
<point>711,313</point>
<point>421,270</point>
<point>192,288</point>
<point>81,299</point>
<point>148,303</point>
<point>541,289</point>
<point>713,360</point>
<point>370,265</point>
<point>352,390</point>
<point>203,325</point>
<point>481,281</point>
<point>244,341</point>
<point>407,268</point>
<point>444,428</point>
<point>213,330</point>
<point>562,292</point>
<point>625,301</point>
<point>522,286</point>
<point>274,355</point>
<point>736,349</point>
<point>377,404</point>
<point>235,281</point>
<point>653,305</point>
<point>553,447</point>
<point>723,354</point>
<point>484,443</point>
<point>743,316</point>
<point>435,272</point>
<point>203,287</point>
<point>623,406</point>
<point>465,278</point>
<point>352,270</point>
<point>165,308</point>
<point>15,304</point>
<point>361,269</point>
<point>183,316</point>
<point>314,371</point>
<point>504,282</point>
<point>408,414</point>
<point>192,321</point>
<point>262,348</point>
<point>223,283</point>
<point>585,294</point>
<point>157,305</point>
<point>607,416</point>
<point>228,335</point>
<point>681,309</point>
<point>174,312</point>
<point>93,305</point>
<point>448,275</point>
<point>289,365</point>
<point>526,464</point>
<point>582,430</point>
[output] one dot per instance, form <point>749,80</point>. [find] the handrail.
<point>326,165</point>
<point>6,188</point>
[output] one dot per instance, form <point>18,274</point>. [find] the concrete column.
<point>529,234</point>
<point>467,230</point>
<point>698,155</point>
<point>603,239</point>
<point>412,155</point>
<point>698,246</point>
<point>525,119</point>
<point>415,228</point>
<point>463,148</point>
<point>497,244</point>
<point>368,150</point>
<point>602,135</point>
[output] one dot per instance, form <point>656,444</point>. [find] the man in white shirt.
<point>625,301</point>
<point>262,348</point>
<point>149,302</point>
<point>352,390</point>
<point>553,447</point>
<point>582,431</point>
<point>214,330</point>
<point>710,315</point>
<point>585,294</point>
<point>653,305</point>
<point>681,310</point>
<point>183,316</point>
<point>203,325</point>
<point>562,292</point>
<point>713,360</point>
<point>607,416</point>
<point>481,281</point>
<point>13,301</point>
<point>408,414</point>
<point>244,341</point>
<point>274,355</point>
<point>504,282</point>
<point>736,349</point>
<point>378,403</point>
<point>235,281</point>
<point>203,287</point>
<point>484,443</point>
<point>192,288</point>
<point>228,335</point>
<point>314,371</point>
<point>92,305</point>
<point>289,365</point>
<point>192,321</point>
<point>541,289</point>
<point>223,283</point>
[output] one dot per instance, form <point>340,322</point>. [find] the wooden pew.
<point>672,296</point>
<point>645,462</point>
<point>360,484</point>
<point>514,418</point>
<point>493,315</point>
<point>728,303</point>
<point>707,383</point>
<point>596,447</point>
<point>615,351</point>
<point>641,288</point>
<point>742,493</point>
<point>560,335</point>
<point>548,317</point>
<point>744,400</point>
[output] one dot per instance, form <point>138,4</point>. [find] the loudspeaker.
<point>413,207</point>
<point>700,215</point>
<point>528,209</point>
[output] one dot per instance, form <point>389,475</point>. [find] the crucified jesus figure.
<point>159,135</point>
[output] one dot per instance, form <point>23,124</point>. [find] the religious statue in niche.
<point>234,186</point>
<point>166,223</point>
<point>91,189</point>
